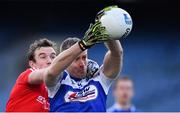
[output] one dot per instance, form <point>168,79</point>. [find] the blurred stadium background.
<point>151,52</point>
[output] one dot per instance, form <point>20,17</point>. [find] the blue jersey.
<point>117,108</point>
<point>79,95</point>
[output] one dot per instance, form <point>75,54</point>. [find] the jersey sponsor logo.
<point>88,93</point>
<point>43,101</point>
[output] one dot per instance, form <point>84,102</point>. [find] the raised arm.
<point>61,62</point>
<point>95,34</point>
<point>113,59</point>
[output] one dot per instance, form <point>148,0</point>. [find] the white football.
<point>117,21</point>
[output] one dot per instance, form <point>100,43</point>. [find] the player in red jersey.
<point>29,92</point>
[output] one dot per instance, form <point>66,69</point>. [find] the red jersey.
<point>27,97</point>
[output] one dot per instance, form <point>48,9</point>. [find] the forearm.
<point>113,59</point>
<point>37,76</point>
<point>114,47</point>
<point>61,62</point>
<point>64,59</point>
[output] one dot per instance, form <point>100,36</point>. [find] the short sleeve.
<point>104,80</point>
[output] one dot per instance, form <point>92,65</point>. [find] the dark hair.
<point>38,44</point>
<point>122,78</point>
<point>68,43</point>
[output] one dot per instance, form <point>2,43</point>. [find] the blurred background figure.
<point>123,92</point>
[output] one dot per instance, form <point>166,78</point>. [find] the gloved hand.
<point>95,34</point>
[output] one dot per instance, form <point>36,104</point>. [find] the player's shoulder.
<point>28,70</point>
<point>23,77</point>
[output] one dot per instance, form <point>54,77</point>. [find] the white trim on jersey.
<point>104,80</point>
<point>53,90</point>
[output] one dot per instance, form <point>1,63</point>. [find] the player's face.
<point>78,68</point>
<point>43,57</point>
<point>124,91</point>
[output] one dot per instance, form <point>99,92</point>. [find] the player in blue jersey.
<point>70,89</point>
<point>123,93</point>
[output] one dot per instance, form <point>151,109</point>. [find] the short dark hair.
<point>38,44</point>
<point>67,43</point>
<point>122,78</point>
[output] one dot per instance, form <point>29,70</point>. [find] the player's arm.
<point>113,59</point>
<point>95,34</point>
<point>37,76</point>
<point>60,63</point>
